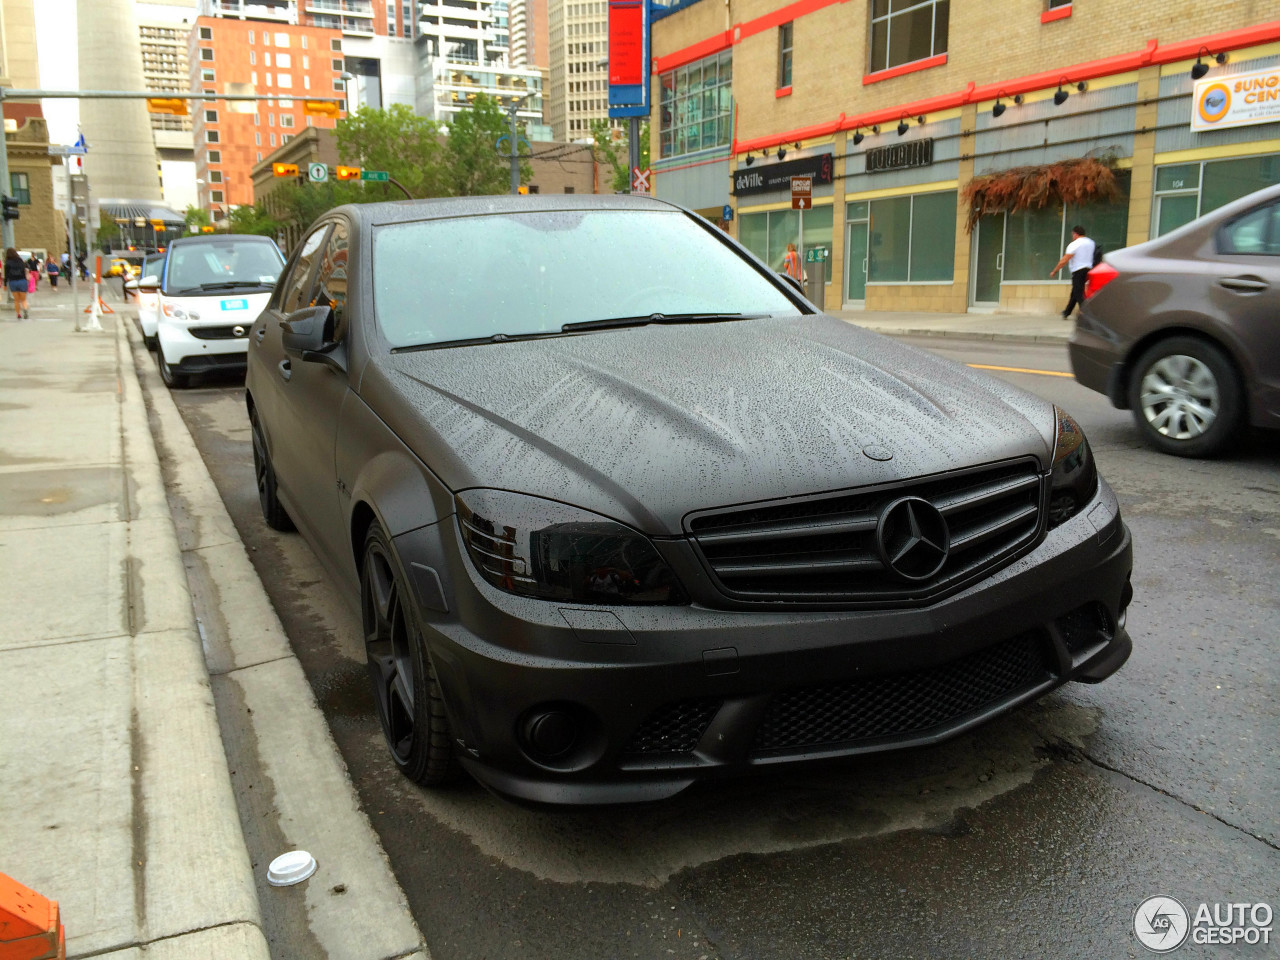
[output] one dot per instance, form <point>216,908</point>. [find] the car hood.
<point>647,424</point>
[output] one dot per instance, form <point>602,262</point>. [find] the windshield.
<point>528,273</point>
<point>222,265</point>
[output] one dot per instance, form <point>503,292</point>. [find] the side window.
<point>331,283</point>
<point>297,285</point>
<point>1256,233</point>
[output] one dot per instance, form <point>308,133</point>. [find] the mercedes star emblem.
<point>913,538</point>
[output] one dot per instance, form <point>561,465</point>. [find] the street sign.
<point>802,193</point>
<point>380,176</point>
<point>640,179</point>
<point>317,172</point>
<point>74,150</point>
<point>726,213</point>
<point>816,255</point>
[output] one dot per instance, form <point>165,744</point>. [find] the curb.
<point>272,725</point>
<point>965,334</point>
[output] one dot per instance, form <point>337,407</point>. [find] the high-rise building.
<point>269,56</point>
<point>528,30</point>
<point>578,85</point>
<point>164,27</point>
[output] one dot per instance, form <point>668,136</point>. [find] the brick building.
<point>230,56</point>
<point>40,225</point>
<point>895,108</point>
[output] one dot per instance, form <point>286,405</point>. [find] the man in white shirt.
<point>1080,253</point>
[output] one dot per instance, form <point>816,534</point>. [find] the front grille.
<point>823,549</point>
<point>220,333</point>
<point>901,704</point>
<point>675,728</point>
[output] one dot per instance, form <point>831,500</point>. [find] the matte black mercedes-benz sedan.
<point>624,511</point>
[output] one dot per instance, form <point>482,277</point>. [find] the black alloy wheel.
<point>272,510</point>
<point>1186,398</point>
<point>405,690</point>
<point>172,379</point>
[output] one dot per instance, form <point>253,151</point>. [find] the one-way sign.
<point>317,172</point>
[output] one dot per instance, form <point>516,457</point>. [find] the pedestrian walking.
<point>1080,254</point>
<point>51,269</point>
<point>84,270</point>
<point>16,279</point>
<point>791,263</point>
<point>33,273</point>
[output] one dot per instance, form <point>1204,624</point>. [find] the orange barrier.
<point>30,927</point>
<point>102,308</point>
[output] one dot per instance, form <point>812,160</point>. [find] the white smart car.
<point>210,291</point>
<point>148,300</point>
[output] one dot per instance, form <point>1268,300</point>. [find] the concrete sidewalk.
<point>115,789</point>
<point>1023,327</point>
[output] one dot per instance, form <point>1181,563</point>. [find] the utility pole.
<point>6,229</point>
<point>514,137</point>
<point>633,151</point>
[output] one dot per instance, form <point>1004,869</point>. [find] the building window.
<point>282,39</point>
<point>251,39</point>
<point>257,139</point>
<point>211,136</point>
<point>785,35</point>
<point>286,119</point>
<point>207,76</point>
<point>253,59</point>
<point>215,156</point>
<point>273,139</point>
<point>271,119</point>
<point>206,33</point>
<point>697,106</point>
<point>284,60</point>
<point>20,187</point>
<point>216,196</point>
<point>306,63</point>
<point>303,41</point>
<point>269,82</point>
<point>259,156</point>
<point>1189,190</point>
<point>408,30</point>
<point>568,189</point>
<point>767,234</point>
<point>206,53</point>
<point>266,39</point>
<point>337,84</point>
<point>211,116</point>
<point>533,188</point>
<point>338,65</point>
<point>215,176</point>
<point>306,82</point>
<point>284,80</point>
<point>913,239</point>
<point>904,32</point>
<point>335,44</point>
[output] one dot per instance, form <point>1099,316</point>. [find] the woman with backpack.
<point>15,278</point>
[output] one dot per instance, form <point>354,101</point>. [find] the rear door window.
<point>1257,233</point>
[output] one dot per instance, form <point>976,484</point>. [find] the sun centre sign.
<point>1238,101</point>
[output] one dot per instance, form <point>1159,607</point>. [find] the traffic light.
<point>284,169</point>
<point>321,108</point>
<point>522,189</point>
<point>10,208</point>
<point>348,173</point>
<point>170,105</point>
<point>206,229</point>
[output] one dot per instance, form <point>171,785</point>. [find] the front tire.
<point>273,512</point>
<point>1185,396</point>
<point>172,379</point>
<point>405,689</point>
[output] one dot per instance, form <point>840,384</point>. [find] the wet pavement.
<point>1036,835</point>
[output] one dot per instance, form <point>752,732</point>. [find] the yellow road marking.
<point>1042,373</point>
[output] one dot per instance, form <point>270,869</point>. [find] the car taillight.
<point>1098,278</point>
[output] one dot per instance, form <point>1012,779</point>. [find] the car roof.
<point>219,238</point>
<point>404,211</point>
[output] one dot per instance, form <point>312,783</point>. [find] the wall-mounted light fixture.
<point>782,153</point>
<point>1000,107</point>
<point>1060,97</point>
<point>1200,68</point>
<point>750,160</point>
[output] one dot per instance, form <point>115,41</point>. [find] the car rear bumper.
<point>1097,359</point>
<point>659,697</point>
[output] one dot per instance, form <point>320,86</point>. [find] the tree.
<point>398,141</point>
<point>195,217</point>
<point>615,152</point>
<point>108,230</point>
<point>475,166</point>
<point>253,218</point>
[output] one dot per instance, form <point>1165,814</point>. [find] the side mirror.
<point>793,281</point>
<point>302,336</point>
<point>149,284</point>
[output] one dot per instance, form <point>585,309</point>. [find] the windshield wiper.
<point>475,341</point>
<point>231,284</point>
<point>657,318</point>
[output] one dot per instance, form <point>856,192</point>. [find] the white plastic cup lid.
<point>290,868</point>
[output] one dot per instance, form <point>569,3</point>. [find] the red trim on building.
<point>1107,66</point>
<point>1057,13</point>
<point>782,92</point>
<point>738,32</point>
<point>912,67</point>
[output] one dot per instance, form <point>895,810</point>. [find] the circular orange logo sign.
<point>1214,103</point>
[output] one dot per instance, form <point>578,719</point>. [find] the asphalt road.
<point>1037,835</point>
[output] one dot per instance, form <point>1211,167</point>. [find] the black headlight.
<point>1075,478</point>
<point>539,548</point>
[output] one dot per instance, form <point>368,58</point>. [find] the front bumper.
<point>659,697</point>
<point>200,348</point>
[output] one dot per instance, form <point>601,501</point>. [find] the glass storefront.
<point>1184,191</point>
<point>912,239</point>
<point>767,234</point>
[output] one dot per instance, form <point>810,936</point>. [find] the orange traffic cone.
<point>30,927</point>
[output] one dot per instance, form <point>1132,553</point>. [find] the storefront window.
<point>913,239</point>
<point>1184,191</point>
<point>696,106</point>
<point>1032,243</point>
<point>767,234</point>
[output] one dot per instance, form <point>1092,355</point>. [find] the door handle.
<point>864,264</point>
<point>286,369</point>
<point>1243,284</point>
<point>260,334</point>
<point>999,262</point>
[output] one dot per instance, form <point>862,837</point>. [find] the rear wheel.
<point>1185,396</point>
<point>405,689</point>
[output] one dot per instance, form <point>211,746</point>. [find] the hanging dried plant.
<point>1075,182</point>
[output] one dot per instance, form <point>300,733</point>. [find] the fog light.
<point>550,734</point>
